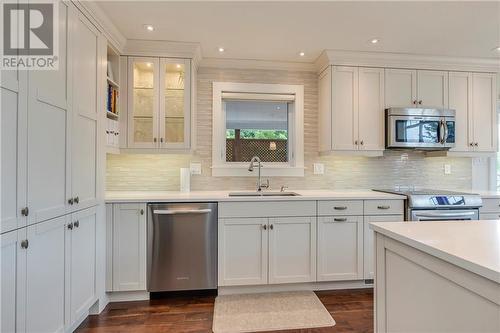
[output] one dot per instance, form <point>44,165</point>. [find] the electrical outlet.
<point>319,168</point>
<point>195,168</point>
<point>447,169</point>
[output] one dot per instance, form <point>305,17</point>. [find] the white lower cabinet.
<point>292,249</point>
<point>80,264</point>
<point>45,276</point>
<point>369,242</point>
<point>243,249</point>
<point>340,248</point>
<point>129,247</point>
<point>13,281</point>
<point>48,274</point>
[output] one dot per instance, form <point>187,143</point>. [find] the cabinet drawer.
<point>267,208</point>
<point>490,206</point>
<point>489,216</point>
<point>384,207</point>
<point>338,207</point>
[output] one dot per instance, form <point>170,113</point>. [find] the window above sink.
<point>264,120</point>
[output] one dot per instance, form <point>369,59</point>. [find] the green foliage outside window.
<point>258,134</point>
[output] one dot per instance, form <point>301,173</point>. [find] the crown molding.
<point>97,16</point>
<point>256,64</point>
<point>163,48</point>
<point>404,60</point>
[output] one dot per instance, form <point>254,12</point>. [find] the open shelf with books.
<point>112,100</point>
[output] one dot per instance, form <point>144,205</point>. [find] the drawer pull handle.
<point>340,219</point>
<point>384,207</point>
<point>264,227</point>
<point>340,208</point>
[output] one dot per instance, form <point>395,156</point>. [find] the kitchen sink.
<point>263,194</point>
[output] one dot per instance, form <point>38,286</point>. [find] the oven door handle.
<point>442,132</point>
<point>181,211</point>
<point>464,214</point>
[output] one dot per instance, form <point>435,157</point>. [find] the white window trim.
<point>221,168</point>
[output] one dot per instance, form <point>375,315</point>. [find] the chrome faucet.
<point>250,168</point>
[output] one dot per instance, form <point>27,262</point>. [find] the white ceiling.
<point>280,30</point>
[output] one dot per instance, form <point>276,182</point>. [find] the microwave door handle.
<point>445,126</point>
<point>441,132</point>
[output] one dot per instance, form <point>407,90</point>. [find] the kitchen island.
<point>437,276</point>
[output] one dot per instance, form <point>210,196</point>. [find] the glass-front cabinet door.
<point>175,103</point>
<point>159,99</point>
<point>143,83</point>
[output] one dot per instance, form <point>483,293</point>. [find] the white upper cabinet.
<point>243,251</point>
<point>472,95</point>
<point>483,112</point>
<point>159,103</point>
<point>371,109</point>
<point>344,107</point>
<point>48,125</point>
<point>351,109</point>
<point>400,87</point>
<point>84,141</point>
<point>13,150</point>
<point>432,88</point>
<point>408,87</point>
<point>292,249</point>
<point>460,100</point>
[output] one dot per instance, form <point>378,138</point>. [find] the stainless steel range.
<point>435,205</point>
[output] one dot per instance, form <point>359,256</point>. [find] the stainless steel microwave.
<point>419,128</point>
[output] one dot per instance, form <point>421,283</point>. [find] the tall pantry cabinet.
<point>49,192</point>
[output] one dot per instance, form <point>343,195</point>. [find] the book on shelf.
<point>112,100</point>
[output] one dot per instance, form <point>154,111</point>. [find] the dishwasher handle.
<point>181,211</point>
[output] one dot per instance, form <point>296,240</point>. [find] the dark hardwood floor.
<point>351,309</point>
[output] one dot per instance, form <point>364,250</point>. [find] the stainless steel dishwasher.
<point>182,246</point>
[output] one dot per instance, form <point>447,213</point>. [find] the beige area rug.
<point>269,311</point>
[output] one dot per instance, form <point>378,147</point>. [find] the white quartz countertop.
<point>473,246</point>
<point>201,196</point>
<point>488,194</point>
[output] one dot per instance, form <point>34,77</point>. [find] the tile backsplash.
<point>155,172</point>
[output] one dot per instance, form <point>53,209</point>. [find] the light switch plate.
<point>447,169</point>
<point>195,168</point>
<point>319,168</point>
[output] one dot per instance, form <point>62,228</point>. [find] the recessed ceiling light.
<point>302,54</point>
<point>178,66</point>
<point>149,64</point>
<point>149,27</point>
<point>221,49</point>
<point>374,40</point>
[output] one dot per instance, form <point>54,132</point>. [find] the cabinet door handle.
<point>264,227</point>
<point>420,102</point>
<point>471,144</point>
<point>384,207</point>
<point>154,140</point>
<point>70,226</point>
<point>161,140</point>
<point>142,211</point>
<point>271,227</point>
<point>356,142</point>
<point>340,207</point>
<point>24,244</point>
<point>415,102</point>
<point>71,201</point>
<point>340,219</point>
<point>476,144</point>
<point>77,224</point>
<point>362,142</point>
<point>25,211</point>
<point>77,200</point>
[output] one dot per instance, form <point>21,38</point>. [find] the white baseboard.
<point>127,296</point>
<point>312,286</point>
